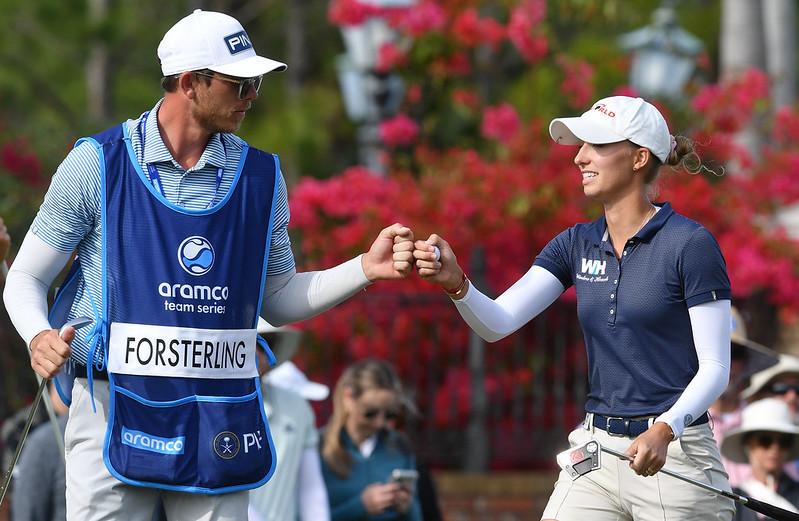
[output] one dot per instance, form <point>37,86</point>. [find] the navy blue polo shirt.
<point>634,311</point>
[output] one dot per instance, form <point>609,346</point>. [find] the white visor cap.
<point>614,119</point>
<point>215,41</point>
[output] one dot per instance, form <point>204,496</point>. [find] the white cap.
<point>210,40</point>
<point>289,376</point>
<point>614,119</point>
<point>768,414</point>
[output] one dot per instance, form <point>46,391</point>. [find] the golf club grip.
<point>770,510</point>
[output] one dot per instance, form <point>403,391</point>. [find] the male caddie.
<point>180,230</point>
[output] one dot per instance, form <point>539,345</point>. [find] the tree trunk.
<point>477,456</point>
<point>97,75</point>
<point>742,42</point>
<point>297,43</point>
<point>779,23</point>
<point>742,46</point>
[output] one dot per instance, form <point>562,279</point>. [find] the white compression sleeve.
<point>495,319</point>
<point>293,297</point>
<point>710,323</point>
<point>312,491</point>
<point>34,269</point>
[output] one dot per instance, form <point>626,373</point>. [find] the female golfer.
<point>653,299</point>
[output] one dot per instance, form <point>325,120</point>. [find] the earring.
<point>635,168</point>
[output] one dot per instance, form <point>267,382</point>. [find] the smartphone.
<point>405,477</point>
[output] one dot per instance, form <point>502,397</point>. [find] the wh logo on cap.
<point>238,42</point>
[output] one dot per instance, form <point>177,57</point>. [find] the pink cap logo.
<point>601,107</point>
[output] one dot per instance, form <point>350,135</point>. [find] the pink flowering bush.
<point>399,131</point>
<point>17,158</point>
<point>524,30</point>
<point>349,12</point>
<point>389,57</point>
<point>498,189</point>
<point>422,18</point>
<point>470,29</point>
<point>500,123</point>
<point>576,85</point>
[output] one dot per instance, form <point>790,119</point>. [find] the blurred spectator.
<point>289,376</point>
<point>296,490</point>
<point>766,440</point>
<point>426,486</point>
<point>5,245</point>
<point>746,358</point>
<point>40,474</point>
<point>359,451</point>
<point>781,381</point>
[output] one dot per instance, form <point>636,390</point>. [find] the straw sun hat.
<point>786,365</point>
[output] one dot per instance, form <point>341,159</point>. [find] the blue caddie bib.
<point>181,293</point>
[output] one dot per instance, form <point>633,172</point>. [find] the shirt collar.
<point>595,231</point>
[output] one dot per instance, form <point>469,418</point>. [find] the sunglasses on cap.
<point>780,388</point>
<point>766,440</point>
<point>245,84</point>
<point>371,414</point>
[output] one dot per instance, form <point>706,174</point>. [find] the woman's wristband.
<point>456,293</point>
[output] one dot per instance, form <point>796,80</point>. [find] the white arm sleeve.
<point>35,268</point>
<point>312,497</point>
<point>710,323</point>
<point>293,296</point>
<point>495,319</point>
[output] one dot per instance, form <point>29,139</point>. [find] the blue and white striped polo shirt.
<point>634,311</point>
<point>69,219</point>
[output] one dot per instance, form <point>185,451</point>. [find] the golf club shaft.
<point>48,405</point>
<point>31,415</point>
<point>705,486</point>
<point>758,506</point>
<point>75,323</point>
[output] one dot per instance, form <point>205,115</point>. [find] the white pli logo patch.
<point>252,439</point>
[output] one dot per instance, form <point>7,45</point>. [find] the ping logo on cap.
<point>238,42</point>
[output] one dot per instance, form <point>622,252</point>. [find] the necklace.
<point>648,216</point>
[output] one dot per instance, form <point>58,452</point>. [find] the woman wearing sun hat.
<point>747,358</point>
<point>653,298</point>
<point>766,440</point>
<point>781,380</point>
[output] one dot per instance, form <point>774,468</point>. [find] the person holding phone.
<point>360,454</point>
